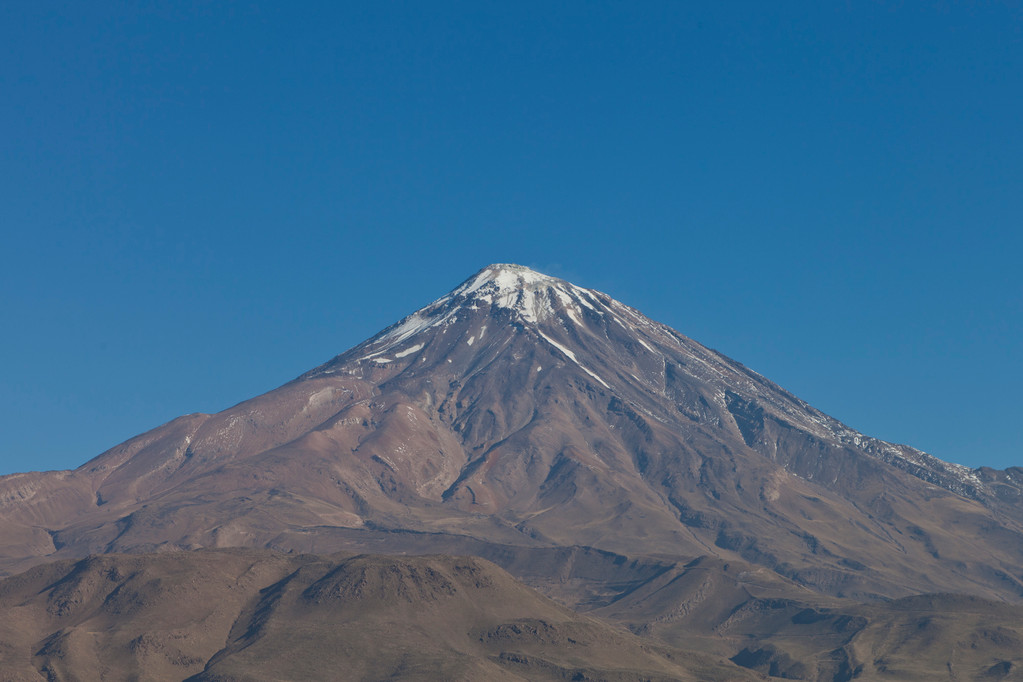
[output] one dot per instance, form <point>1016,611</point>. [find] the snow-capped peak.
<point>503,279</point>
<point>531,297</point>
<point>526,292</point>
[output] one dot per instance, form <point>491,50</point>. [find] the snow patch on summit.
<point>532,296</point>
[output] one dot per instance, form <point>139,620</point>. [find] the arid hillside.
<point>260,615</point>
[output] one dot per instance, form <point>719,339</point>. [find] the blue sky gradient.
<point>200,201</point>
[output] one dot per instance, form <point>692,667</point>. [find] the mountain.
<point>583,447</point>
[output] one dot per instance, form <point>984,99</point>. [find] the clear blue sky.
<point>200,201</point>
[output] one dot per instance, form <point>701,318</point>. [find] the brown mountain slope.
<point>726,609</point>
<point>259,615</point>
<point>750,615</point>
<point>520,411</point>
